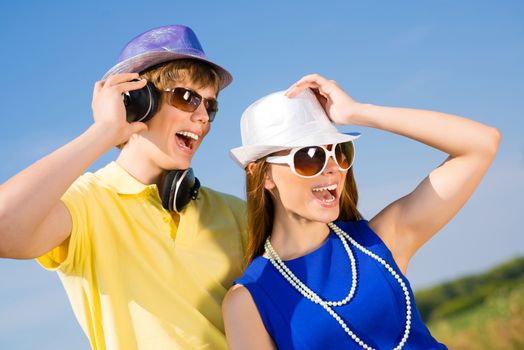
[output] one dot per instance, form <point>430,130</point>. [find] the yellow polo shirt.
<point>135,280</point>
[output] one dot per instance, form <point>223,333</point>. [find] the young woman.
<point>319,276</point>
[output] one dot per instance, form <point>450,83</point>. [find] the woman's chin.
<point>326,215</point>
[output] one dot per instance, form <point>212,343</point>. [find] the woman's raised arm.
<point>407,223</point>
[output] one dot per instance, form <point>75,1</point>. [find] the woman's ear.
<point>269,184</point>
<point>250,169</point>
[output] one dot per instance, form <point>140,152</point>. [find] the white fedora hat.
<point>276,122</point>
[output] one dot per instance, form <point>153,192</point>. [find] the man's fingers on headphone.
<point>121,78</point>
<point>98,86</point>
<point>131,85</point>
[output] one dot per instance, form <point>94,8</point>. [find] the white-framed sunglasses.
<point>310,161</point>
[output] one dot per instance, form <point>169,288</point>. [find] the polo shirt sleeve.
<point>72,253</point>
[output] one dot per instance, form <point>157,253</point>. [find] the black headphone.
<point>179,186</point>
<point>142,104</point>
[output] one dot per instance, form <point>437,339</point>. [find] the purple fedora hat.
<point>161,45</point>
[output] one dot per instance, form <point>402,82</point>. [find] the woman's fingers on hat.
<point>309,79</point>
<point>320,97</point>
<point>295,89</point>
<point>312,81</point>
<point>312,78</point>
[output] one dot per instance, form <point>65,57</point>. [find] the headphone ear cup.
<point>187,189</point>
<point>154,99</point>
<point>168,188</point>
<point>142,104</point>
<point>179,187</point>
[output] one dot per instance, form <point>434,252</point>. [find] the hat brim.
<point>139,63</point>
<point>244,155</point>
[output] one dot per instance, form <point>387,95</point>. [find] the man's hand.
<point>108,107</point>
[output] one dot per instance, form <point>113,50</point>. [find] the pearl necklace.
<point>302,288</point>
<point>281,267</point>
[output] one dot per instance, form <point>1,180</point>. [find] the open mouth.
<point>326,194</point>
<point>186,139</point>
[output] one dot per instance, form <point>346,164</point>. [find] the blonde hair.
<point>261,209</point>
<point>180,71</point>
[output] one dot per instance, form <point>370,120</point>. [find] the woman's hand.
<point>108,106</point>
<point>407,223</point>
<point>339,106</point>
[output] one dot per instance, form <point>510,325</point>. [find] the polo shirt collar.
<point>119,179</point>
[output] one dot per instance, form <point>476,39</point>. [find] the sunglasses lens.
<point>211,108</point>
<point>344,153</point>
<point>185,99</point>
<point>309,161</point>
<point>188,101</point>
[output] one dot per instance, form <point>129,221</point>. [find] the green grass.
<point>479,312</point>
<point>496,323</point>
<point>466,293</point>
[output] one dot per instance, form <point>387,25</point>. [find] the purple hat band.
<point>160,45</point>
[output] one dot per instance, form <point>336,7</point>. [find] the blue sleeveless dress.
<point>376,314</point>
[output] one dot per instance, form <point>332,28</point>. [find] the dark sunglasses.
<point>311,161</point>
<point>188,100</point>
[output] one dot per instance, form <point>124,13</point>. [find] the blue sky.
<point>461,57</point>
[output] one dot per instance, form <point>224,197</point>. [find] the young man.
<point>138,276</point>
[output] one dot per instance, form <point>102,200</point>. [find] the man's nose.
<point>200,114</point>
